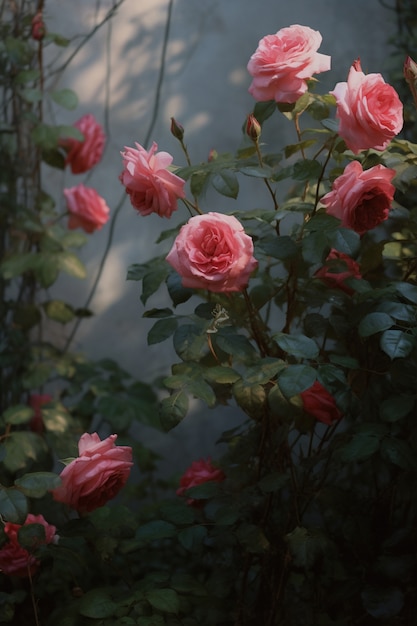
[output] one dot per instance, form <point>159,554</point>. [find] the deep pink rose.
<point>83,155</point>
<point>16,560</point>
<point>151,186</point>
<point>87,209</point>
<point>96,475</point>
<point>319,403</point>
<point>283,63</point>
<point>361,199</point>
<point>199,472</point>
<point>369,110</point>
<point>337,269</point>
<point>36,401</point>
<point>213,252</point>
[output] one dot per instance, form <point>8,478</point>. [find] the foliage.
<point>304,519</point>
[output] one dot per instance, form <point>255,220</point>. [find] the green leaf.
<point>250,398</point>
<point>190,342</point>
<point>24,450</point>
<point>31,535</point>
<point>295,379</point>
<point>153,279</point>
<point>177,292</point>
<point>283,247</point>
<point>59,311</point>
<point>252,538</point>
<point>408,291</point>
<point>306,546</point>
<point>221,374</point>
<point>37,484</point>
<point>306,169</point>
<point>18,264</point>
<point>158,313</point>
<point>13,505</point>
<point>396,344</point>
<point>344,240</point>
<point>165,600</point>
<point>297,345</point>
<point>18,414</point>
<point>173,409</point>
<point>162,329</point>
<point>158,529</point>
<point>97,604</point>
<point>226,183</point>
<point>192,538</point>
<point>399,453</point>
<point>360,447</point>
<point>263,110</point>
<point>396,407</point>
<point>71,264</point>
<point>65,98</point>
<point>374,323</point>
<point>236,345</point>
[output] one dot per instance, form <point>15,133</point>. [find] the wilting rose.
<point>152,188</point>
<point>361,199</point>
<point>319,403</point>
<point>87,209</point>
<point>213,252</point>
<point>338,268</point>
<point>96,475</point>
<point>369,110</point>
<point>283,63</point>
<point>82,155</point>
<point>199,472</point>
<point>36,401</point>
<point>16,560</point>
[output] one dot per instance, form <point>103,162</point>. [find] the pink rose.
<point>87,209</point>
<point>96,475</point>
<point>369,110</point>
<point>199,472</point>
<point>319,403</point>
<point>83,155</point>
<point>36,401</point>
<point>338,268</point>
<point>16,560</point>
<point>361,198</point>
<point>213,252</point>
<point>283,63</point>
<point>151,186</point>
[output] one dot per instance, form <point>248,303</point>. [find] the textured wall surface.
<point>204,87</point>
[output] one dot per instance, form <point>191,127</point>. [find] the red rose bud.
<point>38,27</point>
<point>177,130</point>
<point>253,128</point>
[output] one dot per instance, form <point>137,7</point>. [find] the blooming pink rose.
<point>369,110</point>
<point>283,63</point>
<point>151,186</point>
<point>96,475</point>
<point>16,560</point>
<point>87,209</point>
<point>338,268</point>
<point>319,403</point>
<point>213,252</point>
<point>82,155</point>
<point>199,472</point>
<point>36,401</point>
<point>361,198</point>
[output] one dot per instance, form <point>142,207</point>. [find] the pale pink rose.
<point>96,475</point>
<point>83,155</point>
<point>361,199</point>
<point>87,209</point>
<point>16,560</point>
<point>213,252</point>
<point>338,268</point>
<point>283,63</point>
<point>152,187</point>
<point>369,110</point>
<point>199,472</point>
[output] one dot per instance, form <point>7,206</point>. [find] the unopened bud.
<point>357,65</point>
<point>253,128</point>
<point>410,71</point>
<point>38,27</point>
<point>177,130</point>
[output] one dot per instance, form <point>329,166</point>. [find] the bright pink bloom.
<point>151,186</point>
<point>17,561</point>
<point>83,155</point>
<point>369,110</point>
<point>96,475</point>
<point>283,63</point>
<point>199,472</point>
<point>87,209</point>
<point>319,403</point>
<point>213,252</point>
<point>337,269</point>
<point>38,27</point>
<point>36,401</point>
<point>361,199</point>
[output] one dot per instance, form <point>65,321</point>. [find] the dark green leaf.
<point>165,600</point>
<point>158,529</point>
<point>192,538</point>
<point>65,98</point>
<point>396,407</point>
<point>173,409</point>
<point>374,323</point>
<point>177,292</point>
<point>297,345</point>
<point>18,414</point>
<point>97,604</point>
<point>226,183</point>
<point>295,379</point>
<point>396,344</point>
<point>13,505</point>
<point>190,342</point>
<point>59,311</point>
<point>161,330</point>
<point>37,484</point>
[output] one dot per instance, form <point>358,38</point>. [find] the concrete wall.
<point>205,88</point>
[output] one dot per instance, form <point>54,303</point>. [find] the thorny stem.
<point>261,163</point>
